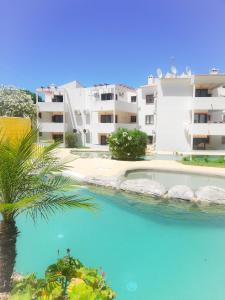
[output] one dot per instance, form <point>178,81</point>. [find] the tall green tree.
<point>30,183</point>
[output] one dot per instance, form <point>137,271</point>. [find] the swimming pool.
<point>169,179</point>
<point>149,250</point>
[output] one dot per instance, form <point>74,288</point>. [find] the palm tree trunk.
<point>8,236</point>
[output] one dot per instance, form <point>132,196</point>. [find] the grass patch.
<point>204,161</point>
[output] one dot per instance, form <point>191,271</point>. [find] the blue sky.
<point>96,41</point>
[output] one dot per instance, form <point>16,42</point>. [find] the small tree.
<point>127,144</point>
<point>16,103</point>
<point>71,140</point>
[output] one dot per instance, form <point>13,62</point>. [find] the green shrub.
<point>71,140</point>
<point>127,144</point>
<point>67,279</point>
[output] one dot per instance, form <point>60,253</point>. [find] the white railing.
<point>209,103</point>
<point>51,106</point>
<point>207,129</point>
<point>52,127</point>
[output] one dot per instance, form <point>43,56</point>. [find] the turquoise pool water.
<point>156,251</point>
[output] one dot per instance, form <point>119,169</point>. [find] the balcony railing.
<point>52,127</point>
<point>207,129</point>
<point>209,103</point>
<point>51,106</point>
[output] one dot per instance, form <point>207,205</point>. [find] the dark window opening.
<point>133,98</point>
<point>103,140</point>
<point>57,118</point>
<point>200,143</point>
<point>40,133</point>
<point>116,119</point>
<point>107,96</point>
<point>149,119</point>
<point>57,98</point>
<point>201,118</point>
<point>116,97</point>
<point>150,139</point>
<point>202,93</point>
<point>40,115</point>
<point>106,119</point>
<point>149,99</point>
<point>58,137</point>
<point>133,119</point>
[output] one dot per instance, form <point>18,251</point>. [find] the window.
<point>133,119</point>
<point>57,98</point>
<point>149,119</point>
<point>107,96</point>
<point>116,119</point>
<point>201,118</point>
<point>202,93</point>
<point>40,133</point>
<point>223,140</point>
<point>116,97</point>
<point>57,137</point>
<point>57,118</point>
<point>103,140</point>
<point>149,99</point>
<point>106,119</point>
<point>40,115</point>
<point>133,98</point>
<point>150,139</point>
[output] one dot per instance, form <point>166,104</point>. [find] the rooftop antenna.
<point>188,71</point>
<point>173,70</point>
<point>159,73</point>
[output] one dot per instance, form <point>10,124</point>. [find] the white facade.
<point>188,112</point>
<point>178,113</point>
<point>92,113</point>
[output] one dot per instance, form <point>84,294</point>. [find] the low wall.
<point>14,128</point>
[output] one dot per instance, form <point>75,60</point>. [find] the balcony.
<point>111,127</point>
<point>51,106</point>
<point>207,129</point>
<point>52,127</point>
<point>209,103</point>
<point>111,105</point>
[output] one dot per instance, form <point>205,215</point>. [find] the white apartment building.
<point>184,113</point>
<point>178,112</point>
<point>91,113</point>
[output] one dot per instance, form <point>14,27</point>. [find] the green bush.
<point>67,279</point>
<point>71,140</point>
<point>127,144</point>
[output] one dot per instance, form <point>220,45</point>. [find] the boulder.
<point>143,186</point>
<point>211,194</point>
<point>180,192</point>
<point>103,181</point>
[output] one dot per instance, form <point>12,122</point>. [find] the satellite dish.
<point>159,73</point>
<point>173,70</point>
<point>188,71</point>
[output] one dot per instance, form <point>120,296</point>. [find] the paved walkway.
<point>107,167</point>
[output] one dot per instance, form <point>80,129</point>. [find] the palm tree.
<point>30,183</point>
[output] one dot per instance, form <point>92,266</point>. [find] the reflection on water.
<point>169,179</point>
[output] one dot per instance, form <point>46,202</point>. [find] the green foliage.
<point>204,160</point>
<point>66,279</point>
<point>33,96</point>
<point>30,180</point>
<point>71,140</point>
<point>127,144</point>
<point>16,103</point>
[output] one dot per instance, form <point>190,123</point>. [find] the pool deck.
<point>84,167</point>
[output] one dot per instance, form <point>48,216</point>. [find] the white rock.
<point>180,192</point>
<point>103,181</point>
<point>211,194</point>
<point>143,186</point>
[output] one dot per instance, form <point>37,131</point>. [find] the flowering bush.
<point>127,144</point>
<point>16,103</point>
<point>67,279</point>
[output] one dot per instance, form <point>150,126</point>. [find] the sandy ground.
<point>107,167</point>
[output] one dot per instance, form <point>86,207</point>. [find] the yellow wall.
<point>13,128</point>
